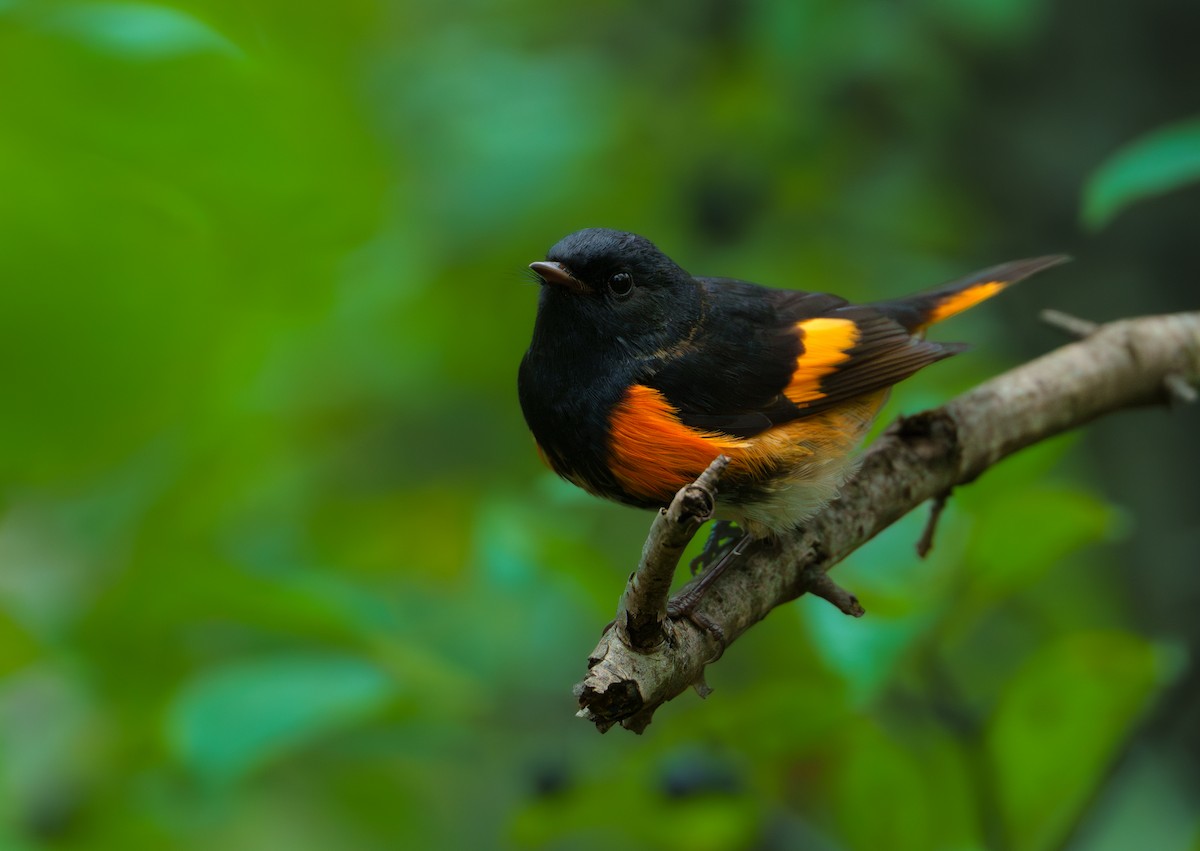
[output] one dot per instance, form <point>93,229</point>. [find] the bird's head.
<point>607,284</point>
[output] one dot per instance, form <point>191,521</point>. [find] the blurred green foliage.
<point>1161,161</point>
<point>278,566</point>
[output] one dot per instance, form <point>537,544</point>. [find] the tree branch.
<point>1149,360</point>
<point>643,606</point>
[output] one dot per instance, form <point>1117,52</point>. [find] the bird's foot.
<point>684,605</point>
<point>723,538</point>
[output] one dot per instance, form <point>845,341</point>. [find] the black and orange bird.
<point>639,374</point>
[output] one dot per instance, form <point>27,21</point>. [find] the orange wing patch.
<point>827,343</point>
<point>964,299</point>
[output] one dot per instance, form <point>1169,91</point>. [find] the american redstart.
<point>640,374</point>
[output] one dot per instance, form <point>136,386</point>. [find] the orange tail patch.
<point>964,300</point>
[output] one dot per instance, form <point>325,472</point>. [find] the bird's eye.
<point>620,284</point>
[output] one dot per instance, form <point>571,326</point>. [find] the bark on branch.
<point>645,658</point>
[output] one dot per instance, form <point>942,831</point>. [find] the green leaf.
<point>1158,162</point>
<point>230,721</point>
<point>865,652</point>
<point>901,593</point>
<point>1026,533</point>
<point>17,646</point>
<point>138,30</point>
<point>1058,726</point>
<point>881,799</point>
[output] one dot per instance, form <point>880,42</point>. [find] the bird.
<point>639,374</point>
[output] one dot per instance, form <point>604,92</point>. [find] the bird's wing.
<point>764,357</point>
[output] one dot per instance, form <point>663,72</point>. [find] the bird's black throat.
<point>579,366</point>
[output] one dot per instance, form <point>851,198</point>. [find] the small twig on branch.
<point>1118,365</point>
<point>1179,388</point>
<point>936,506</point>
<point>820,584</point>
<point>1073,325</point>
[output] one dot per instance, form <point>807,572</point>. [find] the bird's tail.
<point>918,312</point>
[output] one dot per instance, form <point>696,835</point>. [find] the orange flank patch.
<point>964,299</point>
<point>652,454</point>
<point>827,344</point>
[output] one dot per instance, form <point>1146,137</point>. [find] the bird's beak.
<point>557,274</point>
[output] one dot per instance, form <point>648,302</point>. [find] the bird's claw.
<point>722,538</point>
<point>684,607</point>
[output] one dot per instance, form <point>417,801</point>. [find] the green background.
<point>279,567</point>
